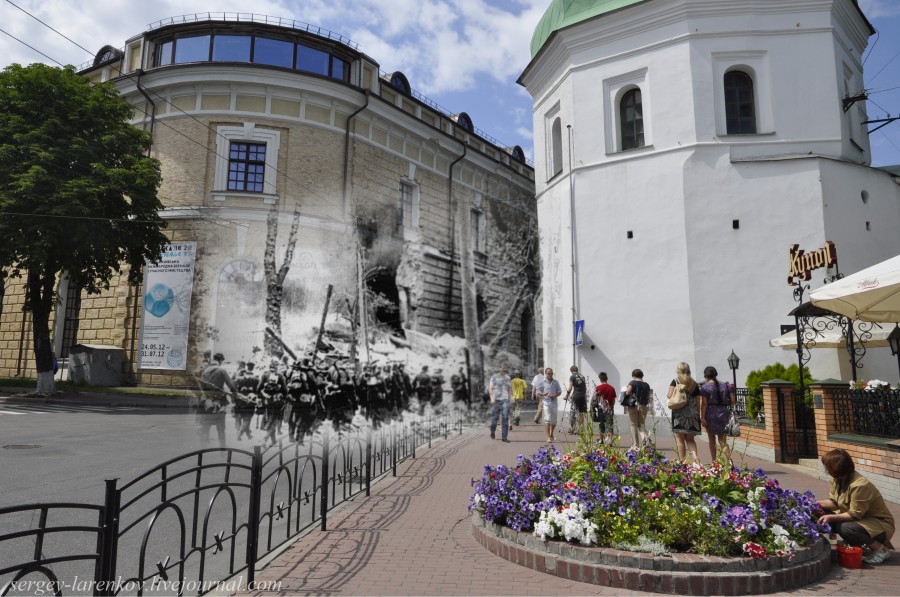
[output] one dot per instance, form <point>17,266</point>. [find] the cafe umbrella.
<point>872,294</point>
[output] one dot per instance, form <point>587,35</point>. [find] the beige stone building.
<point>389,192</point>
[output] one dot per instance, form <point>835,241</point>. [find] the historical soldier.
<point>422,387</point>
<point>247,398</point>
<point>273,392</point>
<point>340,385</point>
<point>303,398</point>
<point>216,384</point>
<point>459,386</point>
<point>437,389</point>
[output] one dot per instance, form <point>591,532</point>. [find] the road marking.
<point>10,412</point>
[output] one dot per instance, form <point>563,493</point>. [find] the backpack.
<point>679,397</point>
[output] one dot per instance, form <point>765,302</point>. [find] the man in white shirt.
<point>500,391</point>
<point>534,386</point>
<point>549,390</point>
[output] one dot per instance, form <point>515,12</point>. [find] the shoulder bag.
<point>679,397</point>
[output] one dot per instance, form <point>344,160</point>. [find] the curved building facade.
<point>263,124</point>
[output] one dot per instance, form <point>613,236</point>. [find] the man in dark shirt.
<point>577,391</point>
<point>216,385</point>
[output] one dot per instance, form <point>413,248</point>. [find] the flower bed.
<point>640,501</point>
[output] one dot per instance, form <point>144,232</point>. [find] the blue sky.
<point>464,55</point>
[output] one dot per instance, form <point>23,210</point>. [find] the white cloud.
<point>876,9</point>
<point>443,46</point>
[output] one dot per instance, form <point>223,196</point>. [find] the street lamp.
<point>894,341</point>
<point>733,362</point>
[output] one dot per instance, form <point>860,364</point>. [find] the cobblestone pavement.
<point>413,536</point>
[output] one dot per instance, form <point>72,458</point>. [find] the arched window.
<point>556,147</point>
<point>107,54</point>
<point>464,122</point>
<point>518,154</point>
<point>631,117</point>
<point>400,83</point>
<point>740,106</point>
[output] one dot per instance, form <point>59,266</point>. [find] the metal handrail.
<point>249,17</point>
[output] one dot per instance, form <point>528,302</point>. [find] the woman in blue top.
<point>716,398</point>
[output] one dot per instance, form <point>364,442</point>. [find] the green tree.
<point>77,191</point>
<point>775,371</point>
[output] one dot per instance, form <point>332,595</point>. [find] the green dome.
<point>563,13</point>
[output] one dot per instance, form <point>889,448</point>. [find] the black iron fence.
<point>868,412</point>
<point>198,520</point>
<point>748,408</point>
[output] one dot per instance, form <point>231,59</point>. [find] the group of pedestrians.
<point>306,394</point>
<point>855,508</point>
<point>704,406</point>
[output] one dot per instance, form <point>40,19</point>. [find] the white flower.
<point>567,522</point>
<point>875,384</point>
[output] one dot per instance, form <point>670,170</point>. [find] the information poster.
<point>166,318</point>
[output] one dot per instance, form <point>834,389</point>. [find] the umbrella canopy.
<point>872,294</point>
<point>833,338</point>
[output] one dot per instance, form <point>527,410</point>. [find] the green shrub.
<point>775,371</point>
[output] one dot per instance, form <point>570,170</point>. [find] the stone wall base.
<point>678,574</point>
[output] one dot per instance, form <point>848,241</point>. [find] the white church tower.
<point>681,147</point>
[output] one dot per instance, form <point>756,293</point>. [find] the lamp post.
<point>894,341</point>
<point>733,362</point>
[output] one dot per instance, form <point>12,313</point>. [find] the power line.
<point>169,103</point>
<point>288,177</point>
<point>882,68</point>
<point>29,46</point>
<point>67,217</point>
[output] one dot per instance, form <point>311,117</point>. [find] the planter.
<point>678,574</point>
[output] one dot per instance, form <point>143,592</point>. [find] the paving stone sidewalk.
<point>413,535</point>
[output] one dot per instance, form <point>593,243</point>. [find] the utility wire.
<point>130,77</point>
<point>169,103</point>
<point>213,151</point>
<point>882,68</point>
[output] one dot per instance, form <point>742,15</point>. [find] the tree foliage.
<point>77,190</point>
<point>757,377</point>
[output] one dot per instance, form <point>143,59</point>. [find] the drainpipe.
<point>452,226</point>
<point>140,72</point>
<point>360,287</point>
<point>132,377</point>
<point>572,226</point>
<point>350,118</point>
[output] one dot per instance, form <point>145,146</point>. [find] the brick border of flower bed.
<point>678,574</point>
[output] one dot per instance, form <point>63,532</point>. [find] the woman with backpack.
<point>636,401</point>
<point>684,400</point>
<point>716,398</point>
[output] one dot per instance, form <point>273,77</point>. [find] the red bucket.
<point>850,557</point>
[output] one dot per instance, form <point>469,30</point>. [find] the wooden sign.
<point>803,263</point>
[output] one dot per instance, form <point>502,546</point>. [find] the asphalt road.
<point>64,452</point>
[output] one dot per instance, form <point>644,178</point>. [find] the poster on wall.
<point>167,308</point>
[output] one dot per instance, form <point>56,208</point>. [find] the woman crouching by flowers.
<point>857,511</point>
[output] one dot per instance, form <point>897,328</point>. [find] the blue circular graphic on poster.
<point>159,300</point>
<point>175,358</point>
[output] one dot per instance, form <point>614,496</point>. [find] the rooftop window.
<point>257,49</point>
